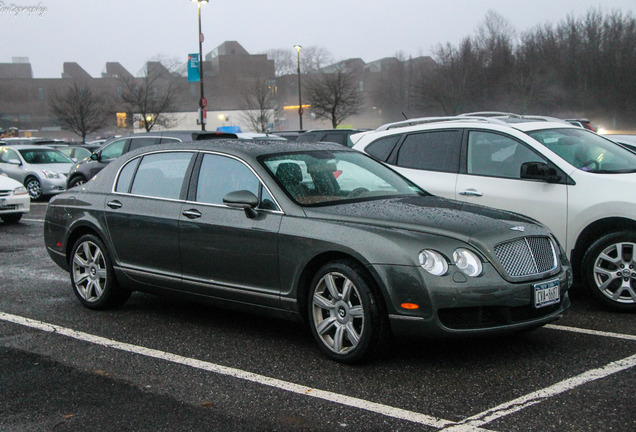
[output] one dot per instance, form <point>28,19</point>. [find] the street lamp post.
<point>202,101</point>
<point>300,99</point>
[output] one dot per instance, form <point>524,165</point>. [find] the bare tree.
<point>314,58</point>
<point>153,96</point>
<point>259,105</point>
<point>81,110</point>
<point>284,61</point>
<point>334,96</point>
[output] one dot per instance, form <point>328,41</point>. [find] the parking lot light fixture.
<point>202,104</point>
<point>300,99</point>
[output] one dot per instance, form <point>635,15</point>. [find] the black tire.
<point>92,275</point>
<point>11,218</point>
<point>609,271</point>
<point>34,187</point>
<point>347,326</point>
<point>75,181</point>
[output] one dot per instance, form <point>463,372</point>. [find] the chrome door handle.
<point>471,192</point>
<point>114,204</point>
<point>192,214</point>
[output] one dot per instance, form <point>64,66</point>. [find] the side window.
<point>220,175</point>
<point>382,148</point>
<point>161,175</point>
<point>7,155</point>
<point>113,150</point>
<point>433,151</point>
<point>125,176</point>
<point>497,155</point>
<point>136,143</point>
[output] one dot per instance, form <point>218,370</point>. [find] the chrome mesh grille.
<point>527,256</point>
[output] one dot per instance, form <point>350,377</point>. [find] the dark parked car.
<point>85,169</point>
<point>338,136</point>
<point>312,231</point>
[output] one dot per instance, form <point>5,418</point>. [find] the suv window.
<point>381,148</point>
<point>497,155</point>
<point>113,150</point>
<point>220,175</point>
<point>433,151</point>
<point>161,175</point>
<point>136,143</point>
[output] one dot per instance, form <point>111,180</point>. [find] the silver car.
<point>42,170</point>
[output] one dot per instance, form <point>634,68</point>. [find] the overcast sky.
<point>91,33</point>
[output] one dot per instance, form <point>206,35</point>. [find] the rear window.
<point>432,151</point>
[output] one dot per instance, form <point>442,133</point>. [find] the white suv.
<point>579,184</point>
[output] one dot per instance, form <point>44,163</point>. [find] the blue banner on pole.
<point>193,68</point>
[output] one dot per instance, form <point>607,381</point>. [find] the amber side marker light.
<point>410,306</point>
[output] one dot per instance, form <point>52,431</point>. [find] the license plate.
<point>546,293</point>
<point>3,202</point>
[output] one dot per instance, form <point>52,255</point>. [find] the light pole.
<point>300,99</point>
<point>202,102</point>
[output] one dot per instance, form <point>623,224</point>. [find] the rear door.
<point>143,216</point>
<point>430,159</point>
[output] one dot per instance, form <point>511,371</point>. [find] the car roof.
<point>251,148</point>
<point>28,147</point>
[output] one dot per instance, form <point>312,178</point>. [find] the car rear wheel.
<point>344,315</point>
<point>93,277</point>
<point>609,269</point>
<point>34,187</point>
<point>11,218</point>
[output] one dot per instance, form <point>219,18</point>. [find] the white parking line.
<point>386,410</point>
<point>538,396</point>
<point>591,332</point>
<point>470,424</point>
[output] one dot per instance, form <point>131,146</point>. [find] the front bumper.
<point>52,186</point>
<point>15,204</point>
<point>455,304</point>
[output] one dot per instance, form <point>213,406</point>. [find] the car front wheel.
<point>11,218</point>
<point>34,187</point>
<point>76,181</point>
<point>93,277</point>
<point>609,269</point>
<point>344,315</point>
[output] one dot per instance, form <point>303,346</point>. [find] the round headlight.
<point>467,262</point>
<point>433,262</point>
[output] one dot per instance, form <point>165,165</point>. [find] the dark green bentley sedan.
<point>307,231</point>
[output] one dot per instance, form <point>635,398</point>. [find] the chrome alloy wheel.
<point>34,188</point>
<point>89,271</point>
<point>338,313</point>
<point>615,272</point>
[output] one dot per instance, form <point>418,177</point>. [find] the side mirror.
<point>242,199</point>
<point>14,162</point>
<point>95,156</point>
<point>539,171</point>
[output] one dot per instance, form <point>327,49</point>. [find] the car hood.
<point>7,183</point>
<point>434,215</point>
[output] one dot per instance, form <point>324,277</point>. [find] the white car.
<point>579,184</point>
<point>14,200</point>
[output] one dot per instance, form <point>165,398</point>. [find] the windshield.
<point>326,177</point>
<point>586,150</point>
<point>44,156</point>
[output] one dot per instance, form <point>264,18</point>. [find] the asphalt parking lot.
<point>157,364</point>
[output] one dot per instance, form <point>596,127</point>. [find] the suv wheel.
<point>76,181</point>
<point>609,270</point>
